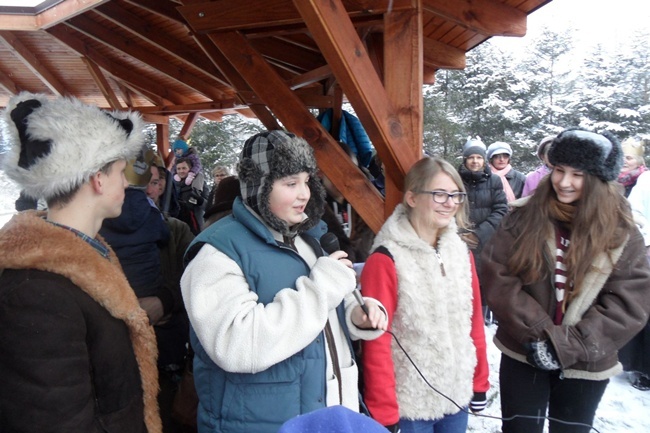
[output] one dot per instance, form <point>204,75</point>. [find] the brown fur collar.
<point>29,242</point>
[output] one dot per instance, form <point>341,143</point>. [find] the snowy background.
<point>623,408</point>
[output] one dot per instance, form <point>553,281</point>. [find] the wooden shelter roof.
<point>272,59</point>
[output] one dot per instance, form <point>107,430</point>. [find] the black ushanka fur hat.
<point>599,154</point>
<point>272,155</point>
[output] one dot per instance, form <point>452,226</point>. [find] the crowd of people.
<point>141,293</point>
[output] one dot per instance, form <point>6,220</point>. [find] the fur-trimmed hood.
<point>36,244</point>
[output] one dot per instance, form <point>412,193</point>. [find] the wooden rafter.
<point>228,15</point>
<point>487,17</point>
<point>112,39</point>
<point>49,17</point>
<point>160,40</point>
<point>29,59</point>
<point>68,37</point>
<point>284,103</point>
<point>102,83</point>
<point>346,55</point>
<point>442,56</point>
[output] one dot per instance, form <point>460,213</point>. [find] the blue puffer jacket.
<point>260,402</point>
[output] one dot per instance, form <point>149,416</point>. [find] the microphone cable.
<point>538,418</point>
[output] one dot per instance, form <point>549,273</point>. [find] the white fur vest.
<point>432,320</point>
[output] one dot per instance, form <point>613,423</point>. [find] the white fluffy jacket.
<point>432,320</point>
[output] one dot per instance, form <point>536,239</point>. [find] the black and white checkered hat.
<point>272,155</point>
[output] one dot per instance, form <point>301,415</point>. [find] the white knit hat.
<point>56,145</point>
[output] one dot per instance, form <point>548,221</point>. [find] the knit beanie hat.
<point>474,146</point>
<point>497,148</point>
<point>180,145</point>
<point>597,154</point>
<point>56,145</point>
<point>543,145</point>
<point>333,419</point>
<point>272,155</point>
<point>632,146</point>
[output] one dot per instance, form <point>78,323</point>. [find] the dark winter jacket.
<point>487,202</point>
<point>136,236</point>
<point>78,354</point>
<point>517,180</point>
<point>611,307</point>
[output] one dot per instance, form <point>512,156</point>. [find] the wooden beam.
<point>153,118</point>
<point>487,17</point>
<point>172,46</point>
<point>9,84</point>
<point>102,83</point>
<point>26,56</point>
<point>186,130</point>
<point>286,105</point>
<point>403,80</point>
<point>442,56</point>
<point>164,8</point>
<point>200,107</point>
<point>96,31</point>
<point>298,59</point>
<point>49,17</point>
<point>337,38</point>
<point>311,77</point>
<point>229,15</point>
<point>162,143</point>
<point>69,37</point>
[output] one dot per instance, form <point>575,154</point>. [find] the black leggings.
<point>526,390</point>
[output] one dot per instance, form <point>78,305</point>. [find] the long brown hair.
<point>601,221</point>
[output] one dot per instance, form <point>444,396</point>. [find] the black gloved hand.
<point>393,428</point>
<point>479,401</point>
<point>543,356</point>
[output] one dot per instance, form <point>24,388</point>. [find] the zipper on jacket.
<point>442,265</point>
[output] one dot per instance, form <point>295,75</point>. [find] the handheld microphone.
<point>330,243</point>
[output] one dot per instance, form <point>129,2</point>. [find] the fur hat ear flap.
<point>30,149</point>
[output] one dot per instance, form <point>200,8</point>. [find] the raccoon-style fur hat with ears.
<point>272,155</point>
<point>57,144</point>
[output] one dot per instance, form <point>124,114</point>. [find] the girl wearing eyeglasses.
<point>567,278</point>
<point>422,272</point>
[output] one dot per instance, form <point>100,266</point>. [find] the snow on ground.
<point>623,408</point>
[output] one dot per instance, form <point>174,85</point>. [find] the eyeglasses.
<point>441,197</point>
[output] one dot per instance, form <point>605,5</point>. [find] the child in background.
<point>182,149</point>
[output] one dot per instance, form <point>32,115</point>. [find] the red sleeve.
<point>379,281</point>
<point>481,373</point>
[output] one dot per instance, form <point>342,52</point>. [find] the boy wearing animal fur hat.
<point>271,313</point>
<point>78,354</point>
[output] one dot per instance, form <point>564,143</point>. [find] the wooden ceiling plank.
<point>164,8</point>
<point>442,56</point>
<point>172,46</point>
<point>102,83</point>
<point>228,15</point>
<point>310,77</point>
<point>403,43</point>
<point>8,84</point>
<point>100,33</point>
<point>345,53</point>
<point>69,37</point>
<point>286,105</point>
<point>488,17</point>
<point>29,59</point>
